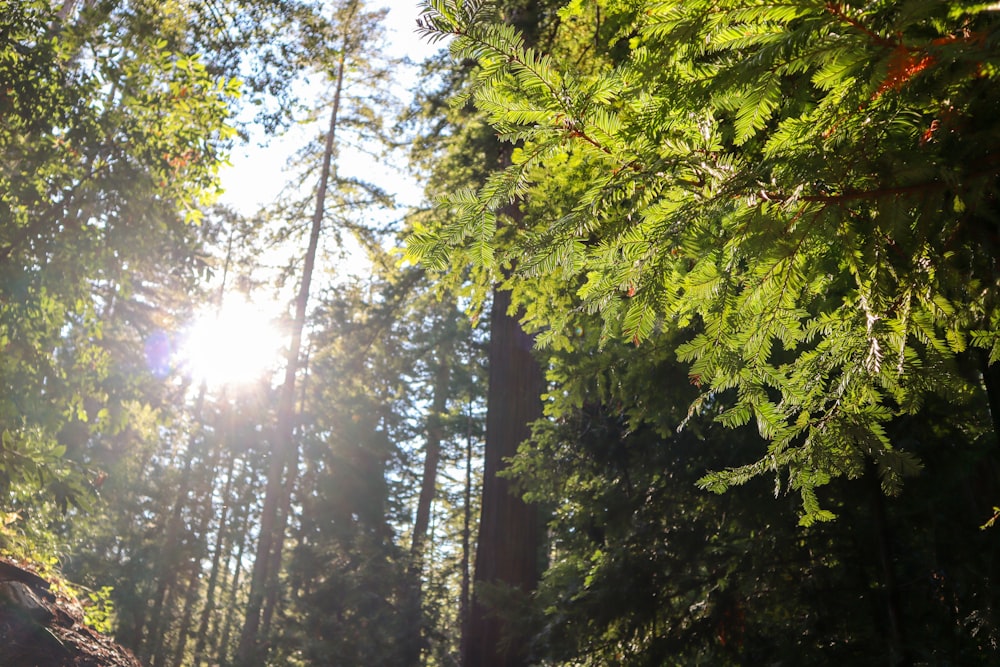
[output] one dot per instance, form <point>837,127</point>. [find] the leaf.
<point>756,107</point>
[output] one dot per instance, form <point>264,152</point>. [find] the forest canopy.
<point>688,353</point>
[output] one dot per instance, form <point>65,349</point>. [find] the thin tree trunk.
<point>154,655</point>
<point>222,654</point>
<point>428,486</point>
<point>190,597</point>
<point>465,601</point>
<point>285,455</point>
<point>432,452</point>
<point>237,529</point>
<point>167,575</point>
<point>194,582</point>
<point>272,594</point>
<point>213,577</point>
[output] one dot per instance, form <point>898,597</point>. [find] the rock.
<point>41,629</point>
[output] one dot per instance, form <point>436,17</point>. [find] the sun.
<point>234,345</point>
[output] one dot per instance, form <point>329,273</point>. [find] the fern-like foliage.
<point>808,189</point>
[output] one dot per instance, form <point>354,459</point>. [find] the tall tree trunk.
<point>428,486</point>
<point>285,454</point>
<point>509,542</point>
<point>213,578</point>
<point>272,593</point>
<point>509,528</point>
<point>465,601</point>
<point>432,451</point>
<point>167,575</point>
<point>222,652</point>
<point>194,580</point>
<point>190,598</point>
<point>272,589</point>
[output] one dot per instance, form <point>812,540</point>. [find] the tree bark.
<point>509,537</point>
<point>509,545</point>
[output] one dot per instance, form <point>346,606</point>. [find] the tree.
<point>181,478</point>
<point>642,240</point>
<point>347,569</point>
<point>646,569</point>
<point>712,170</point>
<point>109,141</point>
<point>345,49</point>
<point>177,466</point>
<point>509,549</point>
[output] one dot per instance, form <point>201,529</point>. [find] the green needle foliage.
<point>805,190</point>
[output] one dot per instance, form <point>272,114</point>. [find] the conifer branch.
<point>837,10</point>
<point>857,195</point>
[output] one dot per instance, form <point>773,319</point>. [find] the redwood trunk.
<point>509,529</point>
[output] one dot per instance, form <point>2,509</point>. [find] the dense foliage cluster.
<point>806,190</point>
<point>788,212</point>
<point>109,140</point>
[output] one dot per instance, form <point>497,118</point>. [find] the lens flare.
<point>158,354</point>
<point>236,344</point>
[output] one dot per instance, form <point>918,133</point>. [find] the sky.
<point>255,177</point>
<point>215,346</point>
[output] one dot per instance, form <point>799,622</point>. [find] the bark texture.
<point>509,529</point>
